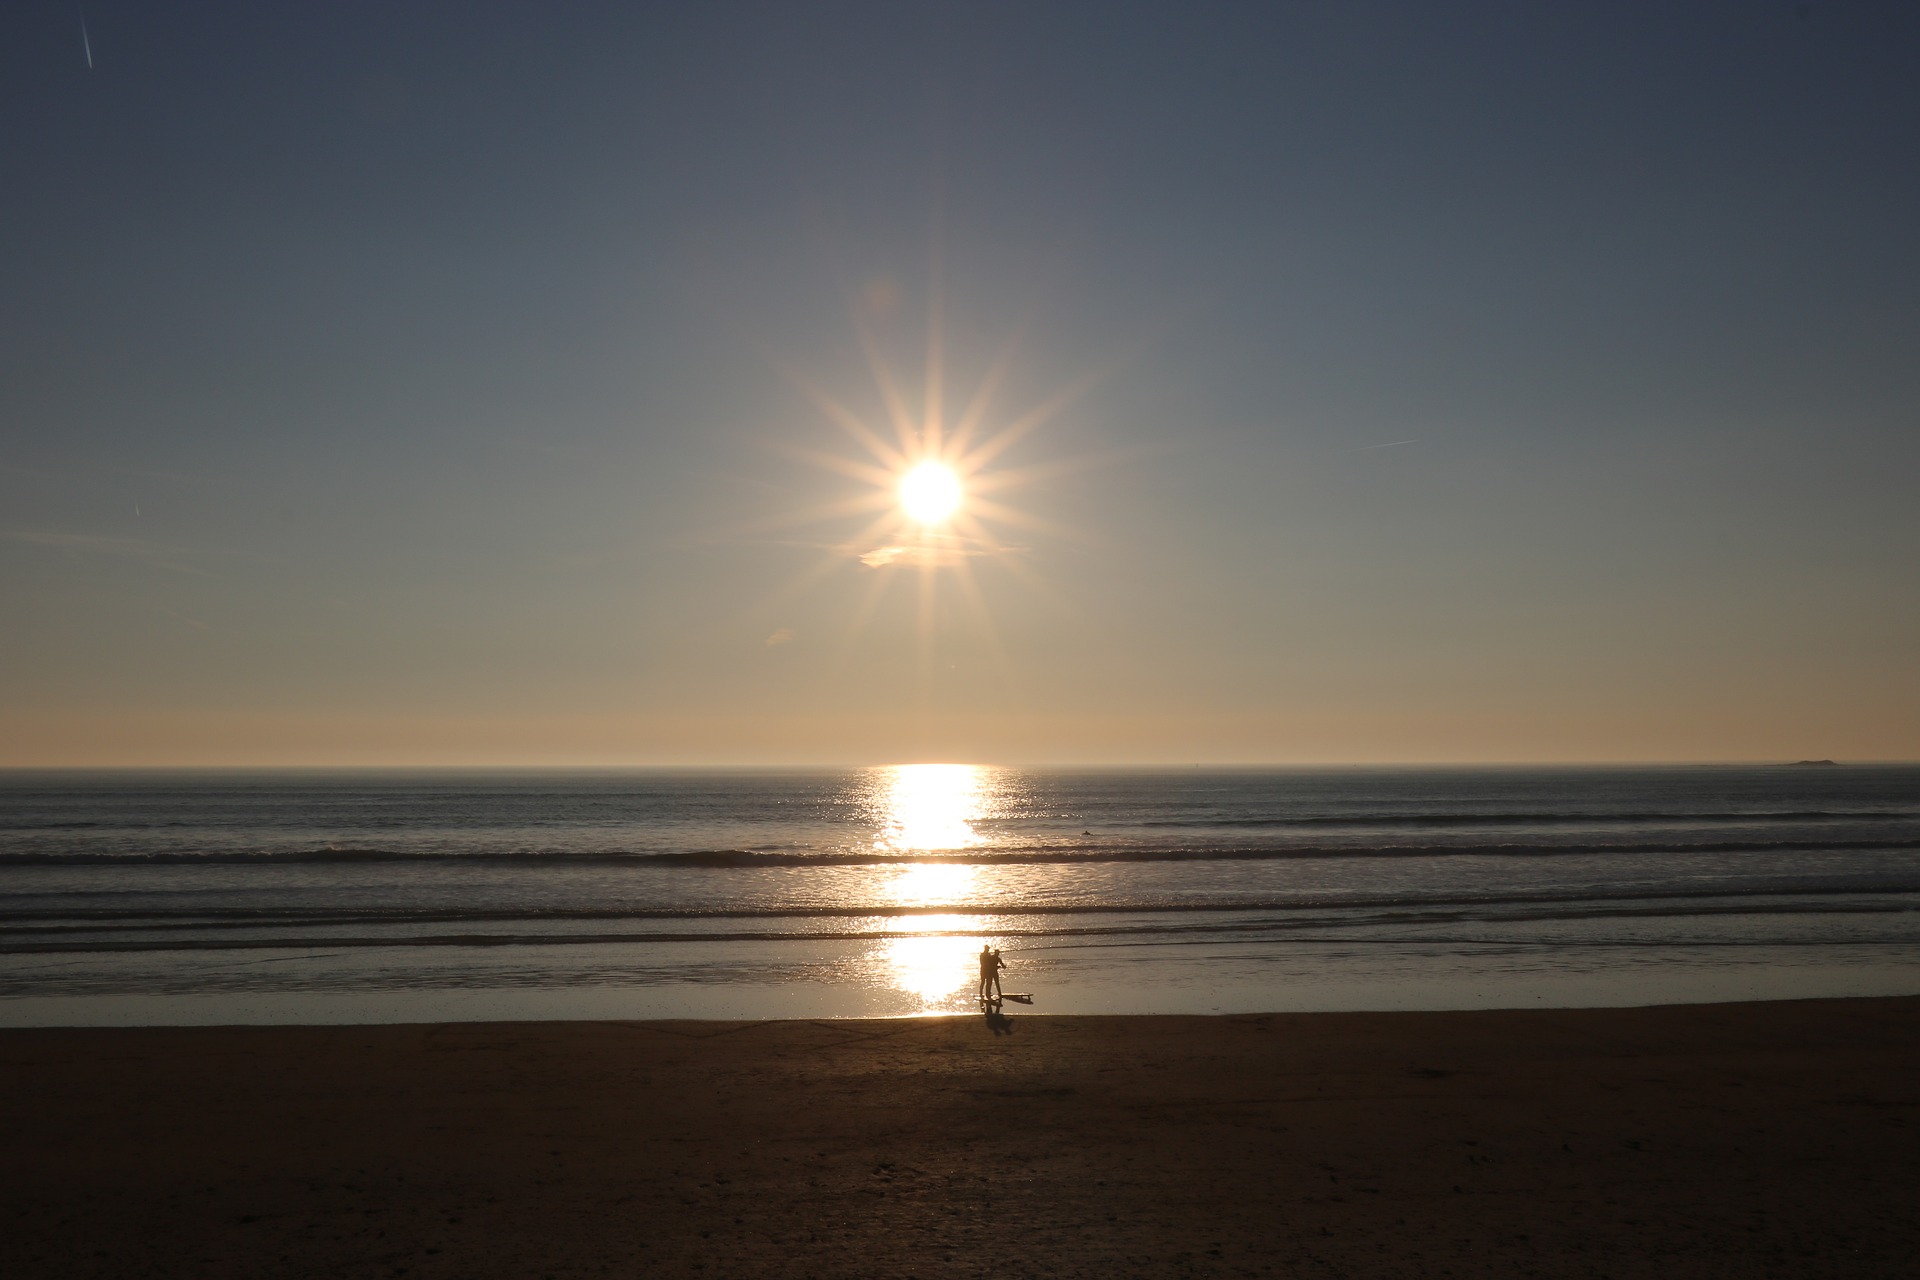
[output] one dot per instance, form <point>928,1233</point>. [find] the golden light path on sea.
<point>930,809</point>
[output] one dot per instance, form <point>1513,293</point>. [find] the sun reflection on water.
<point>922,809</point>
<point>932,884</point>
<point>930,807</point>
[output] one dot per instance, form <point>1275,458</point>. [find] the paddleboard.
<point>1019,996</point>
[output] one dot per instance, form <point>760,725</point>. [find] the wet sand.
<point>1723,1140</point>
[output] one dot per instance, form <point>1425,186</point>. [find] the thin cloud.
<point>933,551</point>
<point>782,636</point>
<point>924,557</point>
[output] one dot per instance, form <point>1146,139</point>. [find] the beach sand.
<point>1725,1140</point>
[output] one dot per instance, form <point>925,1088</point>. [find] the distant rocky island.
<point>1797,764</point>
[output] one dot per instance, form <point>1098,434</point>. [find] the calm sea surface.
<point>200,897</point>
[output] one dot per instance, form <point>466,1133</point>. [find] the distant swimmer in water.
<point>990,966</point>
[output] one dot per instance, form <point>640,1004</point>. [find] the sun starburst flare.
<point>933,485</point>
<point>933,488</point>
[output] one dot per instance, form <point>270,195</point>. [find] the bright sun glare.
<point>932,481</point>
<point>930,492</point>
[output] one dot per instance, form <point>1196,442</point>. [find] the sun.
<point>930,493</point>
<point>931,476</point>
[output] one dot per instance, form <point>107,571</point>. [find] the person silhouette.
<point>990,966</point>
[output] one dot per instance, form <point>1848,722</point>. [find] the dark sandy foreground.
<point>1730,1140</point>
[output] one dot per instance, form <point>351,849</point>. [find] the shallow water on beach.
<point>200,897</point>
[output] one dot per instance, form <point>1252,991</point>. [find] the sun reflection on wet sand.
<point>935,964</point>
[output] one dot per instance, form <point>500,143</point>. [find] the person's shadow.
<point>997,1022</point>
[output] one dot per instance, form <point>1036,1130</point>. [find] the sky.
<point>516,384</point>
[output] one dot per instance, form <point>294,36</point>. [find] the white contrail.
<point>86,41</point>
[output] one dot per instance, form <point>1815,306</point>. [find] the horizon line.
<point>838,766</point>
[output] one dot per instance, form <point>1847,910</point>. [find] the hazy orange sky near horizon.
<point>1380,383</point>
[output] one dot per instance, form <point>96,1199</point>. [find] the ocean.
<point>201,897</point>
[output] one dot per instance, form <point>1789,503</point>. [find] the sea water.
<point>260,897</point>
